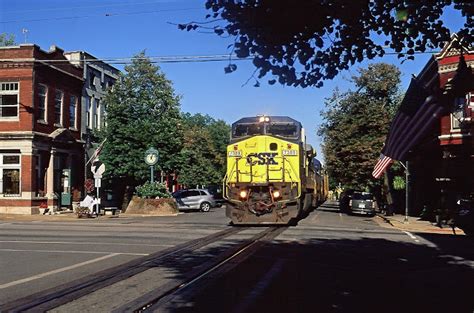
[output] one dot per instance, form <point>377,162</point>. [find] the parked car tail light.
<point>373,204</point>
<point>243,194</point>
<point>350,202</point>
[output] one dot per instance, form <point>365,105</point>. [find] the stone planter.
<point>157,207</point>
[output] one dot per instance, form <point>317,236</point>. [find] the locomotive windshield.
<point>286,129</point>
<point>243,130</point>
<point>289,130</point>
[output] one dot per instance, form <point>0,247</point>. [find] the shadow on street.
<point>342,275</point>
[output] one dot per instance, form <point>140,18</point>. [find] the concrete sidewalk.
<point>414,224</point>
<point>64,216</point>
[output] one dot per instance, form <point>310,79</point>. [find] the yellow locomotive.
<point>272,176</point>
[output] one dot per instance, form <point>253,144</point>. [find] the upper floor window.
<point>58,106</point>
<point>88,112</point>
<point>42,101</point>
<point>459,114</point>
<point>9,100</point>
<point>72,111</point>
<point>92,80</point>
<point>97,114</point>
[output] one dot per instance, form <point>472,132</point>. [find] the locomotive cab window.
<point>283,130</point>
<point>242,130</point>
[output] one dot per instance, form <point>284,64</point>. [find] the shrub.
<point>398,183</point>
<point>153,190</point>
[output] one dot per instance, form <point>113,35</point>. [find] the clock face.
<point>151,158</point>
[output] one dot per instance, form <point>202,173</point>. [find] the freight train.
<point>272,175</point>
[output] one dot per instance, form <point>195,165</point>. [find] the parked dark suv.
<point>194,199</point>
<point>344,200</point>
<point>362,203</point>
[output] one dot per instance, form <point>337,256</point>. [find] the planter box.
<point>157,207</point>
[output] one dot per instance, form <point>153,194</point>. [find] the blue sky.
<point>133,26</point>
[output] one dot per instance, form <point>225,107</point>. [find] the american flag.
<point>417,115</point>
<point>96,152</point>
<point>415,118</point>
<point>382,164</point>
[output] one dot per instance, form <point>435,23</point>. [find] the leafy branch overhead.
<point>304,42</point>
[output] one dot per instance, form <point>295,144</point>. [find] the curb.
<point>419,228</point>
<point>387,220</point>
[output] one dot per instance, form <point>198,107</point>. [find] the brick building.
<point>41,152</point>
<point>445,160</point>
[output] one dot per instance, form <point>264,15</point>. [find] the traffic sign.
<point>98,168</point>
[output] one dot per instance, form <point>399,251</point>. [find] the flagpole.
<point>407,192</point>
<point>407,185</point>
<point>96,152</point>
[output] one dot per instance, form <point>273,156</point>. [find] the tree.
<point>7,40</point>
<point>204,150</point>
<point>142,112</point>
<point>356,123</point>
<point>303,42</point>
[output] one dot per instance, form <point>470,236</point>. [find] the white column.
<point>50,177</point>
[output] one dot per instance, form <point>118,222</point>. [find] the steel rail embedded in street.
<point>213,269</point>
<point>57,296</point>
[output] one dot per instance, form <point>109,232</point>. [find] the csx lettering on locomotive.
<point>262,158</point>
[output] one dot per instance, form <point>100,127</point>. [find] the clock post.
<point>151,158</point>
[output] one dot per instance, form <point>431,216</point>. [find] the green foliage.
<point>203,155</point>
<point>142,112</point>
<point>7,40</point>
<point>303,43</point>
<point>152,190</point>
<point>356,123</point>
<point>398,183</point>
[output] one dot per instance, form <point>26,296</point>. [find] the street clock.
<point>151,156</point>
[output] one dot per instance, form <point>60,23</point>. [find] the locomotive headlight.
<point>276,194</point>
<point>243,194</point>
<point>261,119</point>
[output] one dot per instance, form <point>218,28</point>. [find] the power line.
<point>97,15</point>
<point>128,60</point>
<point>84,7</point>
<point>160,59</point>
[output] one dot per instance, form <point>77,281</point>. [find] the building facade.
<point>444,163</point>
<point>41,151</point>
<point>98,78</point>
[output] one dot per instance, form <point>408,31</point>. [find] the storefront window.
<point>11,182</point>
<point>10,173</point>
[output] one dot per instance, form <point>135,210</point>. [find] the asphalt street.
<point>329,262</point>
<point>38,253</point>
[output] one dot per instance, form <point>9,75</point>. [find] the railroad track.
<point>214,266</point>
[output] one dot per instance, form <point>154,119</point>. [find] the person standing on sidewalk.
<point>441,209</point>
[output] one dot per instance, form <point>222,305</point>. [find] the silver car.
<point>194,199</point>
